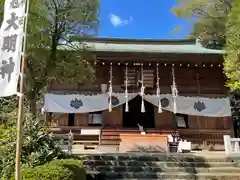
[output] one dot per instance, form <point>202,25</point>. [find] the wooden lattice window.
<point>148,78</point>
<point>134,77</point>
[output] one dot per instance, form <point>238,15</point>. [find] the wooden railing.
<point>84,135</point>
<point>201,139</point>
<point>205,139</point>
<point>74,129</point>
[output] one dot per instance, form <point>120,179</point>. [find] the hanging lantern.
<point>174,92</point>
<point>158,92</point>
<point>126,89</point>
<point>142,91</point>
<point>110,90</point>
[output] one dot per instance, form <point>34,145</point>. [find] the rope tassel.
<point>174,106</point>
<point>174,95</point>
<point>110,90</point>
<point>110,105</point>
<point>110,100</point>
<point>126,99</point>
<point>142,106</point>
<point>126,107</point>
<point>142,91</point>
<point>126,90</point>
<point>174,92</point>
<point>158,92</point>
<point>159,106</point>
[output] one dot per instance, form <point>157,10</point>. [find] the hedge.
<point>65,169</point>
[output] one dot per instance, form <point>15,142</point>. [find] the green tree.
<point>39,147</point>
<point>232,49</point>
<point>7,106</point>
<point>51,53</point>
<point>64,169</point>
<point>208,18</point>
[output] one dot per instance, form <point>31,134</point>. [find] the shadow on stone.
<point>150,149</point>
<point>153,166</point>
<point>96,176</point>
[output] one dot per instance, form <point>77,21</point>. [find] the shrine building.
<point>158,87</point>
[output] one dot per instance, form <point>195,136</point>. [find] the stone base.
<point>80,147</point>
<point>143,143</point>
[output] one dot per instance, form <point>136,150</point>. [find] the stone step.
<point>158,163</point>
<point>198,178</point>
<point>170,158</point>
<point>135,169</point>
<point>145,179</point>
<point>173,176</point>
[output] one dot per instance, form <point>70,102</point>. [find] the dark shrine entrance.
<point>135,116</point>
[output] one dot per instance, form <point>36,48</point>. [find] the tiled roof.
<point>185,46</point>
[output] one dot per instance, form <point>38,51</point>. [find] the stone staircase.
<point>160,166</point>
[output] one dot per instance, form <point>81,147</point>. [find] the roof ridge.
<point>185,46</point>
<point>140,40</point>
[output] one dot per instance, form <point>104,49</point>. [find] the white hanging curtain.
<point>196,106</point>
<point>76,103</point>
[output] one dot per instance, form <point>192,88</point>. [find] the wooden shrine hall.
<point>144,91</point>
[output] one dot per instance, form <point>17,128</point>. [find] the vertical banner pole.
<point>21,100</point>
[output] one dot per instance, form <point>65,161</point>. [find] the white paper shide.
<point>11,36</point>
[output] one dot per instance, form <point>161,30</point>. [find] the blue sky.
<point>140,19</point>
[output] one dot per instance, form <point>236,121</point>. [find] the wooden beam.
<point>139,57</point>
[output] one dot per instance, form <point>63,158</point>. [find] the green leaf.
<point>232,49</point>
<point>208,18</point>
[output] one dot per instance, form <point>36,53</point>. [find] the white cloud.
<point>117,21</point>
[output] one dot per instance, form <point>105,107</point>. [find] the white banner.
<point>11,36</point>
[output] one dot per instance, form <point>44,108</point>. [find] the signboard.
<point>11,36</point>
